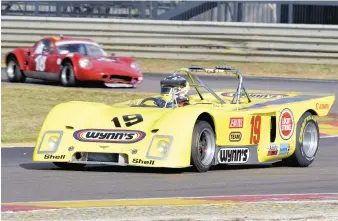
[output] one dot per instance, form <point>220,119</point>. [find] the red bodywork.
<point>41,64</point>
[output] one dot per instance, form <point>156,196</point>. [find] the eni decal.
<point>301,132</point>
<point>109,136</point>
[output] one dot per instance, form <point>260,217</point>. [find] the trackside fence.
<point>189,40</point>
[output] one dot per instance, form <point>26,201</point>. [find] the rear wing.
<point>240,88</point>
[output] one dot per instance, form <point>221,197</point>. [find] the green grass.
<point>24,108</point>
<point>253,69</point>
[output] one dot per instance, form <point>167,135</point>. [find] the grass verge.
<point>253,69</point>
<point>24,108</point>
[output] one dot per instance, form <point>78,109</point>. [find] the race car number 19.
<point>40,62</point>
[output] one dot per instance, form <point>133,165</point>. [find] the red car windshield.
<point>82,48</point>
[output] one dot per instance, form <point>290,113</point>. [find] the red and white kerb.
<point>286,124</point>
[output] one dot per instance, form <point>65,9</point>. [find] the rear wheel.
<point>67,76</point>
<point>203,146</point>
<point>69,166</point>
<point>307,143</point>
<point>14,73</point>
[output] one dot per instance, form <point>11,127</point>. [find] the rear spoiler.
<point>218,68</point>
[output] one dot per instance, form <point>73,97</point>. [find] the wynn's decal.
<point>109,136</point>
<point>257,95</point>
<point>233,155</point>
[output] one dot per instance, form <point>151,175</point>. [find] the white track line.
<point>177,197</point>
<point>328,136</point>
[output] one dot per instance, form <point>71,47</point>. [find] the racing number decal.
<point>129,120</point>
<point>255,129</point>
<point>40,62</point>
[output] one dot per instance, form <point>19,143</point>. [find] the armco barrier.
<point>289,43</point>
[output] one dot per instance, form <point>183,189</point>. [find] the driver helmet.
<point>181,88</point>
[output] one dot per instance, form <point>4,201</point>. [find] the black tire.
<point>14,73</point>
<point>196,161</point>
<point>69,166</point>
<point>67,77</point>
<point>299,158</point>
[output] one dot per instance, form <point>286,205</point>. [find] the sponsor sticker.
<point>322,106</point>
<point>54,157</point>
<point>109,136</point>
<point>257,95</point>
<point>145,162</point>
<point>236,122</point>
<point>273,150</point>
<point>284,149</point>
<point>286,124</point>
<point>235,136</point>
<point>233,155</point>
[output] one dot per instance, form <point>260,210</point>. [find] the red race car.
<point>69,60</point>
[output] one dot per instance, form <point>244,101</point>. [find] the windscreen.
<point>82,48</point>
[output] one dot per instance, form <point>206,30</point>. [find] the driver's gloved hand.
<point>159,102</point>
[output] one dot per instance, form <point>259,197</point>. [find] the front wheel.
<point>203,146</point>
<point>67,76</point>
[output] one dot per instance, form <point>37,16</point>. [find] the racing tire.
<point>67,77</point>
<point>69,166</point>
<point>14,73</point>
<point>307,143</point>
<point>203,146</point>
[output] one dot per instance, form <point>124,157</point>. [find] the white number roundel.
<point>40,62</point>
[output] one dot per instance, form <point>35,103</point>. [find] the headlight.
<point>85,63</point>
<point>159,147</point>
<point>135,65</point>
<point>162,147</point>
<point>50,142</point>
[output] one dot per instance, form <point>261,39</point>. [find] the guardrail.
<point>252,42</point>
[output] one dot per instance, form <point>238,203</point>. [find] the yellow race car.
<point>182,127</point>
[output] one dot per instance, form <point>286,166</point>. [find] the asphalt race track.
<point>24,181</point>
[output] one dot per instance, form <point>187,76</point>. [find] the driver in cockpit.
<point>180,91</point>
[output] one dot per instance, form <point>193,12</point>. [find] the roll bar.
<point>240,88</point>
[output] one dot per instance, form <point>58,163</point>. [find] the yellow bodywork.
<point>174,126</point>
